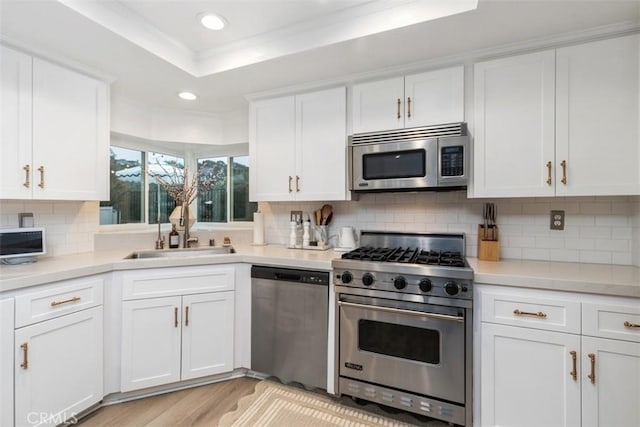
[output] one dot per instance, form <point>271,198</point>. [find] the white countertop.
<point>572,277</point>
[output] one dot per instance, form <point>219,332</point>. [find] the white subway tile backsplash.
<point>598,229</point>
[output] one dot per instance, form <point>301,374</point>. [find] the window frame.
<point>190,154</point>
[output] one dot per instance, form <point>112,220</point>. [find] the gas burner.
<point>406,255</point>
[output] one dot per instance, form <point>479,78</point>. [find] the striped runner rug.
<point>276,405</point>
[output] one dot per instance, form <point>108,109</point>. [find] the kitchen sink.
<point>180,253</point>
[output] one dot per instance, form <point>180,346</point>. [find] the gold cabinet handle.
<point>539,314</point>
<point>27,172</point>
<point>628,324</point>
<point>186,316</point>
<point>399,105</point>
<point>564,172</point>
<point>290,179</point>
<point>574,360</point>
<point>67,301</point>
<point>592,376</point>
<point>25,355</point>
<point>408,106</point>
<point>41,170</point>
<point>175,317</point>
<point>549,173</point>
<point>297,184</point>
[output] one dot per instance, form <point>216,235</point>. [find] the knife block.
<point>489,246</point>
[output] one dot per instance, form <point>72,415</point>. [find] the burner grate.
<point>406,256</point>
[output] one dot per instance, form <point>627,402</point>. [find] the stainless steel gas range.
<point>404,308</point>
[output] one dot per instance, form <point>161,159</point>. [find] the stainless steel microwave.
<point>425,158</point>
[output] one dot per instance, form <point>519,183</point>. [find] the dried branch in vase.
<point>179,185</point>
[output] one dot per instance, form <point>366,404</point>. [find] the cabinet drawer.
<point>531,311</point>
<point>177,281</point>
<point>612,321</point>
<point>58,299</point>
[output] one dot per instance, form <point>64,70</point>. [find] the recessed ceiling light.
<point>212,21</point>
<point>189,96</point>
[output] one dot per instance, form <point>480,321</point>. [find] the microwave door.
<point>397,165</point>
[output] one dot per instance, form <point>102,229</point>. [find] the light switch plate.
<point>557,220</point>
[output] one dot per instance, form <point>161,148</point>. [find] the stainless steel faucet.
<point>160,239</point>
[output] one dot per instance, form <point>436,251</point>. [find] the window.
<point>136,197</point>
<point>127,184</point>
<point>229,180</point>
<point>168,168</point>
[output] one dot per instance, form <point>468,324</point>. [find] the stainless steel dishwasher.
<point>289,324</point>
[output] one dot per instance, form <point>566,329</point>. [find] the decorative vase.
<point>178,215</point>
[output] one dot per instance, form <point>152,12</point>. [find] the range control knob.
<point>425,285</point>
<point>400,282</point>
<point>452,288</point>
<point>346,277</point>
<point>367,279</point>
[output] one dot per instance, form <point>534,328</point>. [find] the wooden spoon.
<point>318,215</point>
<point>326,210</point>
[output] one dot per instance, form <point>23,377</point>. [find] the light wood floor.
<point>200,406</point>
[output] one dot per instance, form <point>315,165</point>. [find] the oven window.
<point>406,342</point>
<point>397,164</point>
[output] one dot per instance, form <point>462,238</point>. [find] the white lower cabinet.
<point>526,377</point>
<point>538,369</point>
<point>6,361</point>
<point>58,368</point>
<point>177,324</point>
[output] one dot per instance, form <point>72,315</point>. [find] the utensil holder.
<point>488,243</point>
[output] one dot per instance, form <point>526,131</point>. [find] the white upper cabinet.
<point>433,97</point>
<point>597,92</point>
<point>15,124</point>
<point>296,144</point>
<point>55,131</point>
<point>514,126</point>
<point>560,122</point>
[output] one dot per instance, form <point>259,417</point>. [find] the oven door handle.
<point>401,311</point>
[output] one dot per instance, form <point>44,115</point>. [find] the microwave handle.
<point>401,311</point>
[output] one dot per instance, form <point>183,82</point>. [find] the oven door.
<point>394,165</point>
<point>409,346</point>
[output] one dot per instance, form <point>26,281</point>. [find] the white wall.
<point>635,223</point>
<point>598,229</point>
<point>70,226</point>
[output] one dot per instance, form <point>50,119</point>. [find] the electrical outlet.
<point>557,220</point>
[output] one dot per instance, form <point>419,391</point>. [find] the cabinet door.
<point>514,141</point>
<point>272,150</point>
<point>58,368</point>
<point>6,362</point>
<point>378,105</point>
<point>597,117</point>
<point>207,334</point>
<point>434,98</point>
<point>151,335</point>
<point>70,134</point>
<point>611,399</point>
<point>16,169</point>
<point>525,377</point>
<point>321,145</point>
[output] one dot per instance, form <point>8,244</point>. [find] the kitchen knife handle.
<point>399,105</point>
<point>27,172</point>
<point>549,165</point>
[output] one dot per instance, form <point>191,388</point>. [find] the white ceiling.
<point>154,48</point>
